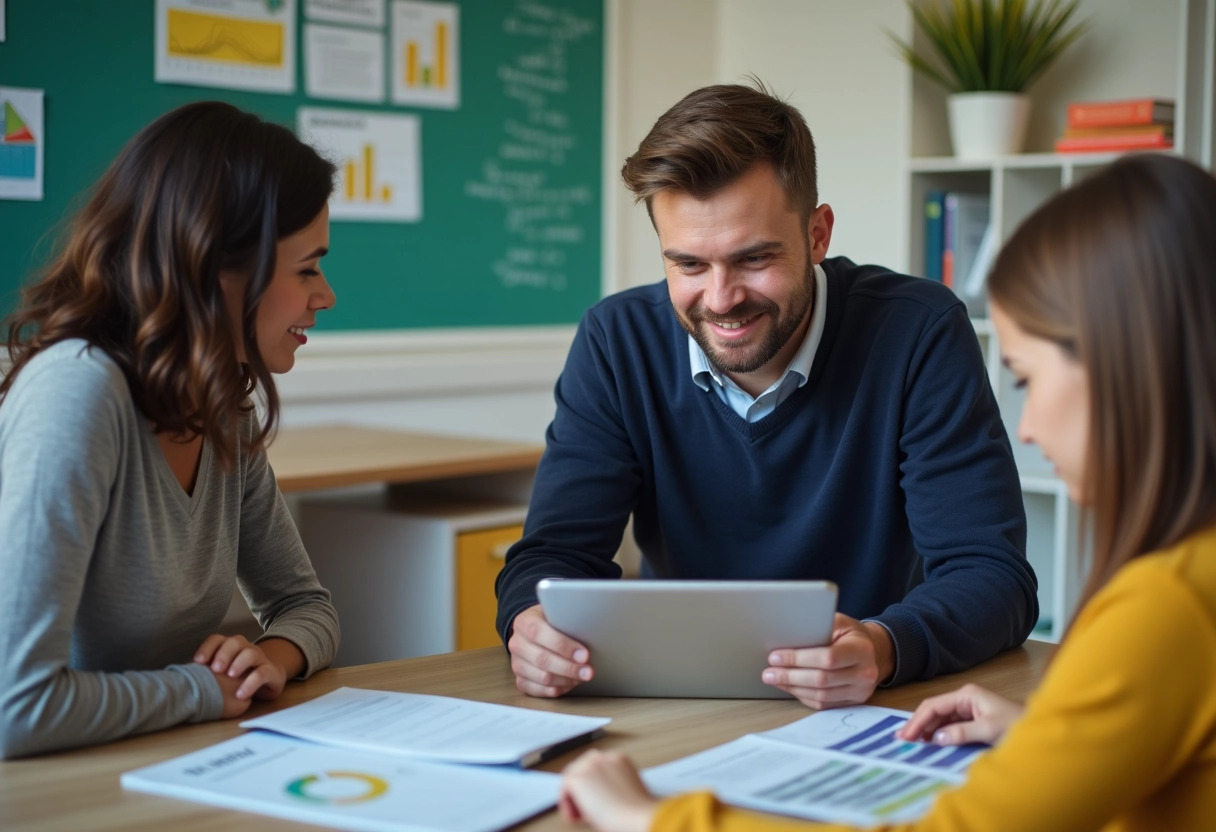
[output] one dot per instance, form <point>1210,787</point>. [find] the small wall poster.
<point>21,143</point>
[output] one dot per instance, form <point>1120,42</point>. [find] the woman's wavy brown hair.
<point>1118,271</point>
<point>204,188</point>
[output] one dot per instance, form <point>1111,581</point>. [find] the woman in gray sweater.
<point>134,485</point>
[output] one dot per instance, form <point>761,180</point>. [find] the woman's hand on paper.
<point>845,672</point>
<point>969,714</point>
<point>604,790</point>
<point>545,661</point>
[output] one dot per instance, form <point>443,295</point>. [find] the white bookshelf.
<point>1133,49</point>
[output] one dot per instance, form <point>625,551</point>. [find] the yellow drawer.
<point>479,556</point>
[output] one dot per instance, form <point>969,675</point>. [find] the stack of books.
<point>960,244</point>
<point>1131,124</point>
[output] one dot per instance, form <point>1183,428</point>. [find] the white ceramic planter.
<point>987,124</point>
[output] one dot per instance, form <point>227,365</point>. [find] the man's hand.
<point>845,672</point>
<point>545,662</point>
<point>605,791</point>
<point>969,714</point>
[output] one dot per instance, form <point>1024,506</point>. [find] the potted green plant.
<point>987,52</point>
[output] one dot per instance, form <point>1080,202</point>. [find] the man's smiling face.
<point>740,273</point>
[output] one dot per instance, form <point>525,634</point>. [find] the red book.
<point>1166,130</point>
<point>1112,113</point>
<point>1127,141</point>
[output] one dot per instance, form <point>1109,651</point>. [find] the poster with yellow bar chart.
<point>378,156</point>
<point>426,54</point>
<point>235,44</point>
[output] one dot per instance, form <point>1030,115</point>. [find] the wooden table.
<point>338,456</point>
<point>79,790</point>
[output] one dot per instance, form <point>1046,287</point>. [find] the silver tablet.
<point>688,639</point>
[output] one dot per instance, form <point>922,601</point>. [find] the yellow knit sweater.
<point>1120,736</point>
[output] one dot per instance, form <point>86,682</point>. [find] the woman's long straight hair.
<point>1120,272</point>
<point>202,189</point>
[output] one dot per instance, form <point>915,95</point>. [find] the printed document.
<point>842,766</point>
<point>358,790</point>
<point>439,728</point>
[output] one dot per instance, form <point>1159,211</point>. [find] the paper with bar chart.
<point>21,143</point>
<point>378,156</point>
<point>843,766</point>
<point>426,54</point>
<point>236,44</point>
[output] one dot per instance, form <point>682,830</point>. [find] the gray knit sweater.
<point>111,576</point>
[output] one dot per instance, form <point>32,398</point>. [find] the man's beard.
<point>749,357</point>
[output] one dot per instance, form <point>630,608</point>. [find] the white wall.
<point>833,61</point>
<point>665,49</point>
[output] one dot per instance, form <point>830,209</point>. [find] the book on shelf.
<point>1166,130</point>
<point>965,220</point>
<point>844,765</point>
<point>379,760</point>
<point>1126,111</point>
<point>935,209</point>
<point>975,285</point>
<point>1114,142</point>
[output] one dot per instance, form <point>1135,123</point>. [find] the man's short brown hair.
<point>715,134</point>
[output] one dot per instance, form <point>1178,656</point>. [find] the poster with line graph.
<point>21,143</point>
<point>235,44</point>
<point>426,54</point>
<point>378,156</point>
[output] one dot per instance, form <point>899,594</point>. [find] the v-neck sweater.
<point>113,575</point>
<point>889,472</point>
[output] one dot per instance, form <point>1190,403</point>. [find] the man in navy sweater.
<point>770,413</point>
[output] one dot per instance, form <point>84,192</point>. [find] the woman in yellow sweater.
<point>1104,301</point>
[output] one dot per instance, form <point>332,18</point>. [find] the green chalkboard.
<point>506,237</point>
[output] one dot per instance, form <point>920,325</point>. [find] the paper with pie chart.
<point>359,790</point>
<point>21,143</point>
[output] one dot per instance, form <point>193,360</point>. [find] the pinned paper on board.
<point>236,44</point>
<point>378,156</point>
<point>426,54</point>
<point>21,144</point>
<point>353,12</point>
<point>341,63</point>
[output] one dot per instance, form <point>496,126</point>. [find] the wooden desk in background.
<point>338,456</point>
<point>80,790</point>
<point>411,567</point>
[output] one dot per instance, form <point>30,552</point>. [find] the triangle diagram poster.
<point>22,139</point>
